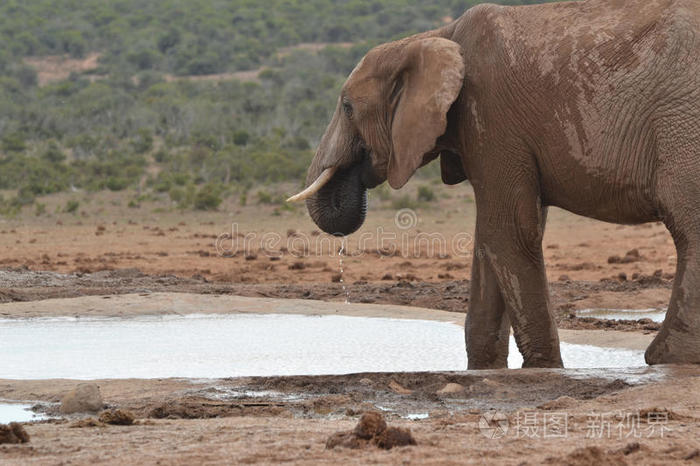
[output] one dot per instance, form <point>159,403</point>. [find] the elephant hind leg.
<point>678,341</point>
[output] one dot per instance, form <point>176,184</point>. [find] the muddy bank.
<point>452,295</point>
<point>398,394</point>
<point>289,419</point>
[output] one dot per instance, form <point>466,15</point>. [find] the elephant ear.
<point>430,79</point>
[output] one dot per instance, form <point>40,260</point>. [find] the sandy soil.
<point>183,422</point>
<point>123,259</point>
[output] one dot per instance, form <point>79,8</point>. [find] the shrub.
<point>383,191</point>
<point>425,194</point>
<point>404,202</point>
<point>264,197</point>
<point>208,198</point>
<point>39,209</point>
<point>72,206</point>
<point>115,183</point>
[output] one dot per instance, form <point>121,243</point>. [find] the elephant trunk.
<point>340,205</point>
<point>338,179</point>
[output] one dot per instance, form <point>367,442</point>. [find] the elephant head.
<point>391,111</point>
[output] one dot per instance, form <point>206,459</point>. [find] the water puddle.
<point>417,416</point>
<point>13,412</point>
<point>656,315</point>
<point>234,345</point>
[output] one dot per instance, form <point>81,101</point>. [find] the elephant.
<point>590,106</point>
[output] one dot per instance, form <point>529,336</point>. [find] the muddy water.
<point>246,345</point>
<point>11,412</point>
<point>656,315</point>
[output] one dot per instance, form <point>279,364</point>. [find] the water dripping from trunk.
<point>341,253</point>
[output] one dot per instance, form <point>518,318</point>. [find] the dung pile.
<point>371,430</point>
<point>117,417</point>
<point>13,433</point>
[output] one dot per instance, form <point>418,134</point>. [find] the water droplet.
<point>341,253</point>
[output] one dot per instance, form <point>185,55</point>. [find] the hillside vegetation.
<point>136,118</point>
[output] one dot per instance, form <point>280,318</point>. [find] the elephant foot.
<point>674,347</point>
<point>546,363</point>
<point>483,365</point>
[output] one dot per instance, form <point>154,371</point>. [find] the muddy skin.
<point>588,106</point>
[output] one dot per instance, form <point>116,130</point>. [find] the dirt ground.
<point>642,416</point>
<point>639,416</point>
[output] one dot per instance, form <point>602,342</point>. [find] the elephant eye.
<point>347,108</point>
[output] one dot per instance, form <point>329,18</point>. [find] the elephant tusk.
<point>313,188</point>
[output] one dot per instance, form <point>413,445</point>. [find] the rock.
<point>394,437</point>
<point>398,388</point>
<point>87,422</point>
<point>630,448</point>
<point>13,433</point>
<point>85,398</point>
<point>117,417</point>
<point>562,402</point>
<point>366,382</point>
<point>371,424</point>
<point>451,388</point>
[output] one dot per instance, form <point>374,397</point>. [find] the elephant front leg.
<point>678,341</point>
<point>487,328</point>
<point>512,246</point>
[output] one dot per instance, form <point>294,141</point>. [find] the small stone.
<point>562,402</point>
<point>398,388</point>
<point>631,448</point>
<point>371,424</point>
<point>451,388</point>
<point>13,433</point>
<point>85,398</point>
<point>365,381</point>
<point>86,422</point>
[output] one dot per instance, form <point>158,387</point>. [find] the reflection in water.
<point>246,345</point>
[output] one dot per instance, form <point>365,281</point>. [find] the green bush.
<point>208,198</point>
<point>404,202</point>
<point>39,209</point>
<point>72,206</point>
<point>425,194</point>
<point>115,183</point>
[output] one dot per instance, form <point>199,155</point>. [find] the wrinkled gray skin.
<point>590,106</point>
